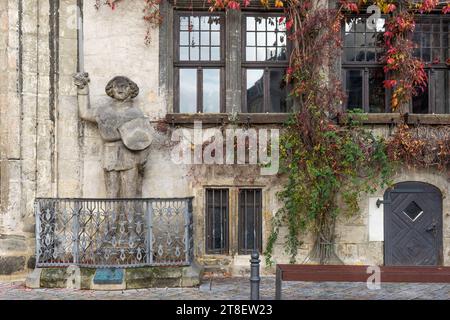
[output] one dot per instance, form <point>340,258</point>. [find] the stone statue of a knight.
<point>126,133</point>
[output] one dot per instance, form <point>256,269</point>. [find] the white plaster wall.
<point>115,45</point>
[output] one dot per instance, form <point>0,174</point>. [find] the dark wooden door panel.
<point>413,225</point>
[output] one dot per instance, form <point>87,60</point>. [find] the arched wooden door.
<point>413,225</point>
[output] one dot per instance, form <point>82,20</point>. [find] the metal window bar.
<point>191,232</point>
<point>37,229</point>
<point>250,228</point>
<point>121,233</point>
<point>217,212</point>
<point>149,239</point>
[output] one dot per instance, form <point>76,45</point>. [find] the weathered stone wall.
<point>353,244</point>
<point>46,151</point>
<point>39,136</point>
<point>13,244</point>
<point>353,235</point>
<point>68,143</point>
<point>114,45</point>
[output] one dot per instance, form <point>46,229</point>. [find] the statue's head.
<point>122,89</point>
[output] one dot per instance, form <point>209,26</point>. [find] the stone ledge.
<point>11,265</point>
<point>281,118</point>
<point>162,277</point>
<point>135,278</point>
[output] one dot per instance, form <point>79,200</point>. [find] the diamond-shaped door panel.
<point>413,211</point>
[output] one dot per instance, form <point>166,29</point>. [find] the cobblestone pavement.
<point>238,289</point>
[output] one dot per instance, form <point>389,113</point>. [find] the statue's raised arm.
<point>81,80</point>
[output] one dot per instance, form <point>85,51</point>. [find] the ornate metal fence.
<point>125,233</point>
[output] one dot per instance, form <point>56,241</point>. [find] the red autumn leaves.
<point>237,4</point>
<point>406,74</point>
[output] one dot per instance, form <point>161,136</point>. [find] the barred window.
<point>250,220</point>
<point>217,216</point>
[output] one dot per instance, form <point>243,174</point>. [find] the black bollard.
<point>254,276</point>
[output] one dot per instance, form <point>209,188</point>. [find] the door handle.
<point>380,202</point>
<point>431,228</point>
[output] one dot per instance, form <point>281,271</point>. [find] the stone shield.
<point>137,134</point>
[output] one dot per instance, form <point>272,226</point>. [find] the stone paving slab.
<point>239,289</point>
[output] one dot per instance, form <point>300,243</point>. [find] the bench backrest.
<point>351,273</point>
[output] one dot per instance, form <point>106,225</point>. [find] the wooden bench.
<point>348,273</point>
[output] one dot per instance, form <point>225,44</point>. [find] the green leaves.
<point>321,165</point>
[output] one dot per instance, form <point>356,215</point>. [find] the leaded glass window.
<point>199,62</point>
<point>265,60</point>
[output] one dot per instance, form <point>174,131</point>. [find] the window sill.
<point>280,118</point>
<point>413,119</point>
<point>224,118</point>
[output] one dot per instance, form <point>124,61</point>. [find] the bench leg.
<point>278,283</point>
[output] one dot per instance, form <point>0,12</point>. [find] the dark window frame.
<point>364,67</point>
<point>225,50</point>
<point>267,66</point>
<point>431,67</point>
<point>365,70</point>
<point>433,19</point>
<point>200,65</point>
<point>210,219</point>
<point>243,248</point>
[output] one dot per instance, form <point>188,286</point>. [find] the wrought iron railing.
<point>123,233</point>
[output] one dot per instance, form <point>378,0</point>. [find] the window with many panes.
<point>265,60</point>
<point>431,37</point>
<point>362,70</point>
<point>363,73</point>
<point>201,48</point>
<point>199,62</point>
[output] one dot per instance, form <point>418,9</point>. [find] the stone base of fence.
<point>75,277</point>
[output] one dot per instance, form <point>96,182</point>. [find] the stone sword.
<point>80,36</point>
